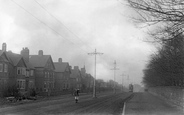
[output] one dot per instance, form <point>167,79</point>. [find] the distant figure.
<point>76,94</point>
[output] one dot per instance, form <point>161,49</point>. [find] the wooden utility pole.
<point>94,83</point>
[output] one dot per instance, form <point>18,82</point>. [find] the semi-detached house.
<point>62,76</point>
<point>14,71</point>
<point>44,73</point>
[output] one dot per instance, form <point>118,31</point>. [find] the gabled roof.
<point>39,60</point>
<point>29,65</point>
<point>14,58</point>
<point>61,66</point>
<point>2,52</point>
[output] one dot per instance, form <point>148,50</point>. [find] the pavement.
<point>147,104</point>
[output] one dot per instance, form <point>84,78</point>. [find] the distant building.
<point>44,72</point>
<point>75,78</point>
<point>62,75</point>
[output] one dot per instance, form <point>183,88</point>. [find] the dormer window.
<point>18,71</point>
<point>21,71</point>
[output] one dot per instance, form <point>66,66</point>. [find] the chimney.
<point>40,52</point>
<point>25,54</point>
<point>4,47</point>
<point>60,60</point>
<point>76,67</point>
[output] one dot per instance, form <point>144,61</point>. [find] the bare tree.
<point>166,67</point>
<point>167,15</point>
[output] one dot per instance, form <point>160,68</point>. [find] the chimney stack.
<point>4,47</point>
<point>25,54</point>
<point>40,52</point>
<point>60,60</point>
<point>76,67</point>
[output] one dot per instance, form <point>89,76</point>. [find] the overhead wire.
<point>45,24</point>
<point>59,22</point>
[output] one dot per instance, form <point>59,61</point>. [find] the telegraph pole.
<point>94,84</point>
<point>122,80</point>
<point>115,75</point>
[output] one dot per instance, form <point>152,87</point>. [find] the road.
<point>148,104</point>
<point>104,104</point>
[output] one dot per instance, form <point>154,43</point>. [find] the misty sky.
<point>72,28</point>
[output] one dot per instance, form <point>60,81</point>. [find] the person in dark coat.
<point>76,94</point>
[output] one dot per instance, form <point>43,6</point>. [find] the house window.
<point>18,70</point>
<point>31,84</point>
<point>5,68</point>
<point>1,67</point>
<point>21,84</point>
<point>45,74</point>
<point>27,73</point>
<point>45,87</point>
<point>21,71</point>
<point>31,72</point>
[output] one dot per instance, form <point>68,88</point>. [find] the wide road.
<point>104,104</point>
<point>148,104</point>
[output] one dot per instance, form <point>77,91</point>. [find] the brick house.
<point>44,72</point>
<point>62,76</point>
<point>12,69</point>
<point>84,79</point>
<point>89,82</point>
<point>30,76</point>
<point>4,65</point>
<point>75,78</point>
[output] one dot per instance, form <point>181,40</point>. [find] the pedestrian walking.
<point>76,94</point>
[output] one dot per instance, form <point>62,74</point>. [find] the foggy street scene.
<point>91,57</point>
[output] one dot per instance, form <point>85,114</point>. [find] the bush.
<point>33,92</point>
<point>11,91</point>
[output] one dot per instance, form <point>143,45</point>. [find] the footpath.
<point>144,103</point>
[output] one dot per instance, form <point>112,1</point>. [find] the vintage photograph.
<point>91,57</point>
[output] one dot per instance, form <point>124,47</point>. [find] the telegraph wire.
<point>59,21</point>
<point>44,23</point>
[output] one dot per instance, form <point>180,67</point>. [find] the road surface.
<point>104,104</point>
<point>148,104</point>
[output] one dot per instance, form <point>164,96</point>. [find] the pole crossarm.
<point>95,53</point>
<point>94,84</point>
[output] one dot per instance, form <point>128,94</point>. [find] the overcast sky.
<point>72,28</point>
